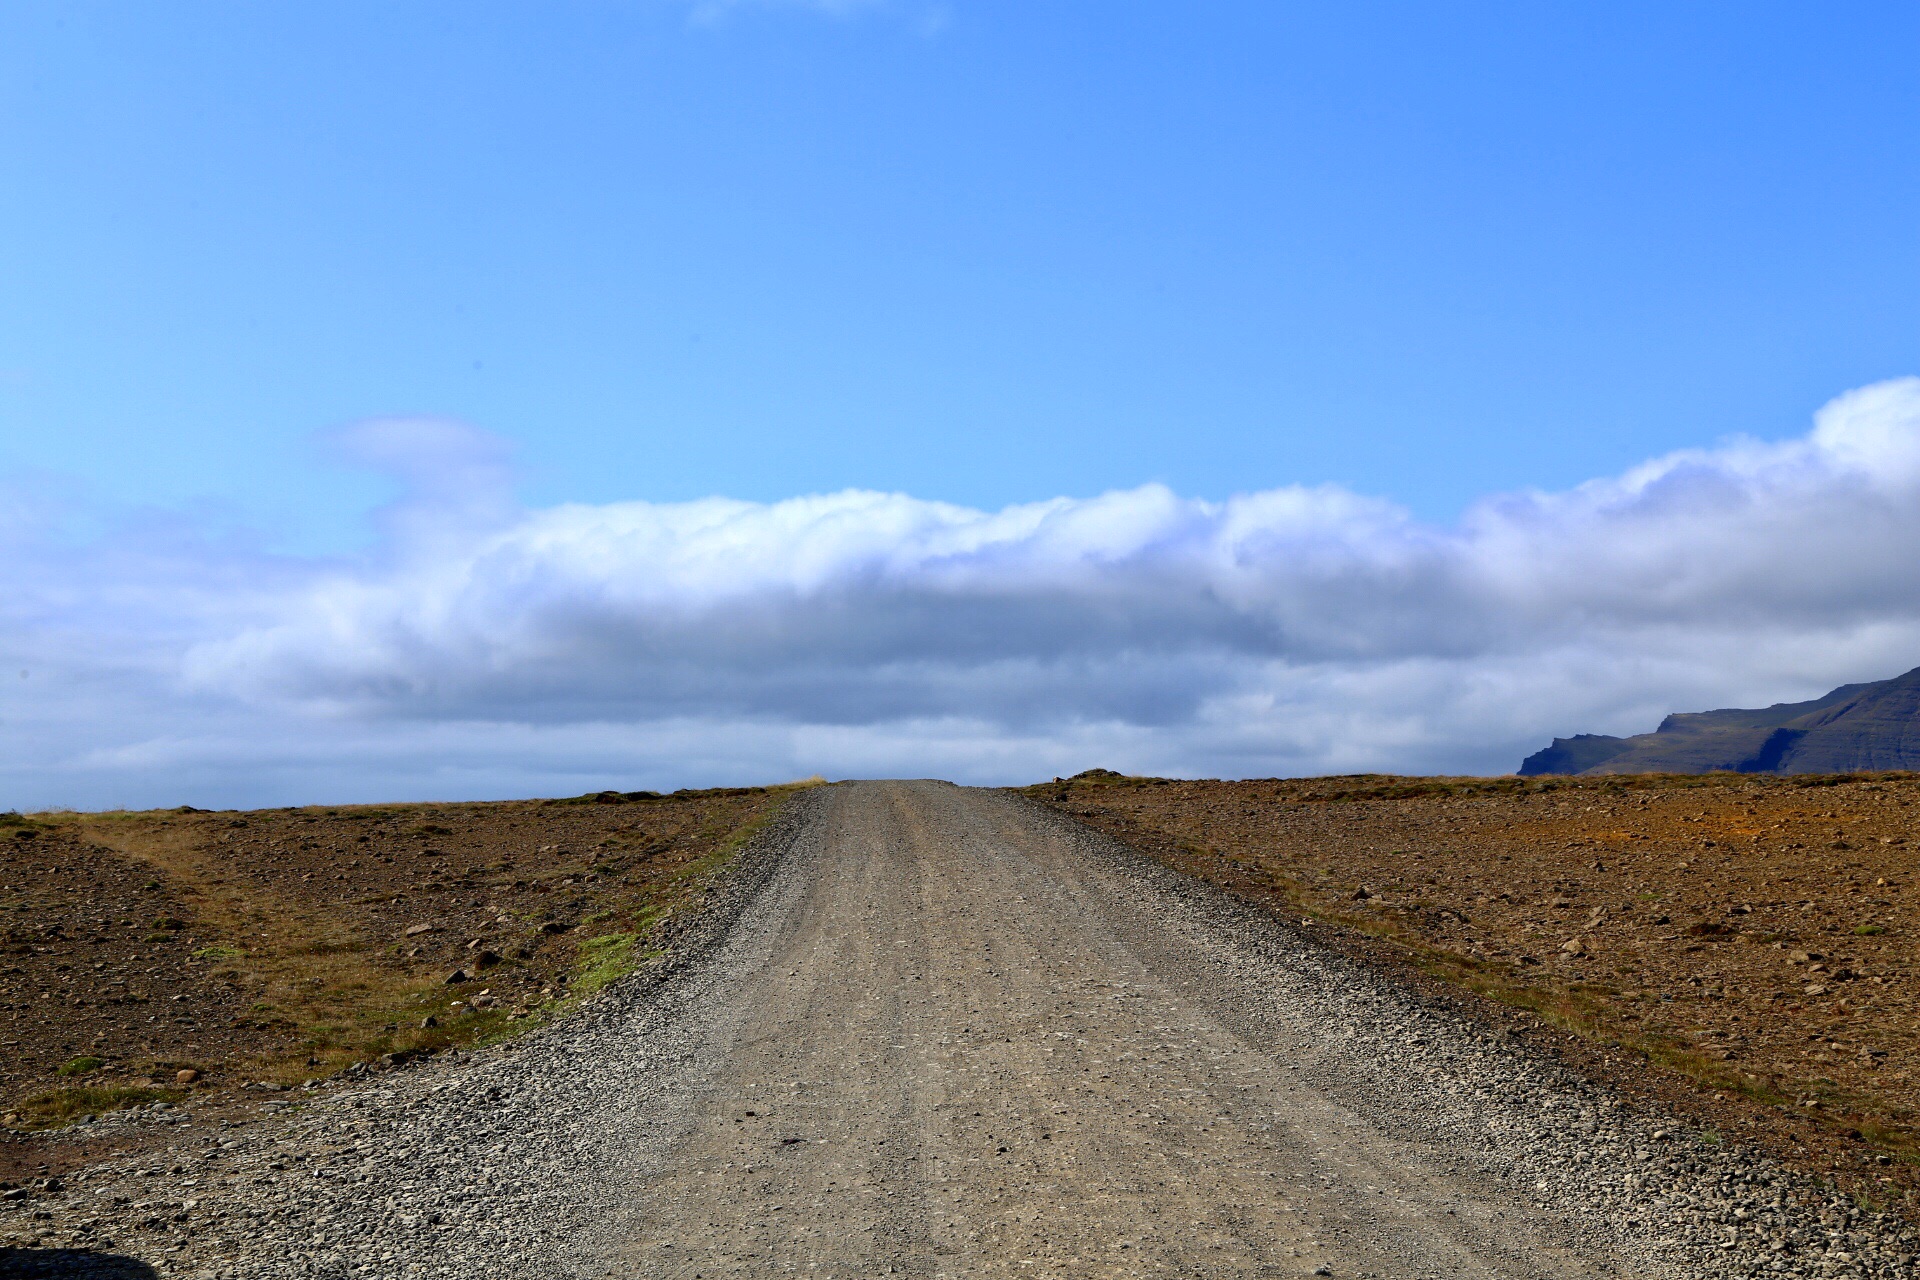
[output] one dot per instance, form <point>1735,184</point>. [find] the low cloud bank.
<point>482,648</point>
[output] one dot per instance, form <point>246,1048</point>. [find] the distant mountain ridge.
<point>1856,728</point>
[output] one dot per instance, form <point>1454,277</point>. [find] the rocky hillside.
<point>1856,728</point>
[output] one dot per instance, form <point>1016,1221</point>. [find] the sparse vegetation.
<point>1710,924</point>
<point>288,944</point>
<point>603,960</point>
<point>56,1107</point>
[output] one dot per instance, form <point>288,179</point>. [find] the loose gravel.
<point>527,1159</point>
<point>483,1164</point>
<point>1662,1199</point>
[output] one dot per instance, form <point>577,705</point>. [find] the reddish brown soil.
<point>287,944</point>
<point>1751,942</point>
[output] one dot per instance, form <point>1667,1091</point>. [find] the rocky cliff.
<point>1857,727</point>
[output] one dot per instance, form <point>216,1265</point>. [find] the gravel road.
<point>929,1031</point>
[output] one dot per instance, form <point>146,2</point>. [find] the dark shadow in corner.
<point>1774,750</point>
<point>71,1264</point>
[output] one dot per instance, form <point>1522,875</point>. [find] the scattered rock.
<point>186,1075</point>
<point>458,976</point>
<point>530,1120</point>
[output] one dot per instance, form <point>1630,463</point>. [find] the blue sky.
<point>425,399</point>
<point>983,253</point>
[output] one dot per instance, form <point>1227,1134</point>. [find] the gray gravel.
<point>564,1153</point>
<point>1662,1199</point>
<point>485,1164</point>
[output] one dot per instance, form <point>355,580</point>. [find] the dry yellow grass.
<point>284,945</point>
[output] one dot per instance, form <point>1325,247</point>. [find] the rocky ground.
<point>1750,940</point>
<point>257,951</point>
<point>467,1163</point>
<point>920,1030</point>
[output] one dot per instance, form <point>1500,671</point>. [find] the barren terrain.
<point>261,950</point>
<point>920,1030</point>
<point>1753,938</point>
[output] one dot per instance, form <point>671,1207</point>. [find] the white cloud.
<point>482,648</point>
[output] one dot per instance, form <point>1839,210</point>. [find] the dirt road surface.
<point>943,1034</point>
<point>971,1053</point>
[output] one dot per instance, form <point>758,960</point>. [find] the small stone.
<point>1573,946</point>
<point>186,1075</point>
<point>429,1021</point>
<point>486,959</point>
<point>457,977</point>
<point>415,930</point>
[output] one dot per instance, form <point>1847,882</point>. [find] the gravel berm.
<point>929,1031</point>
